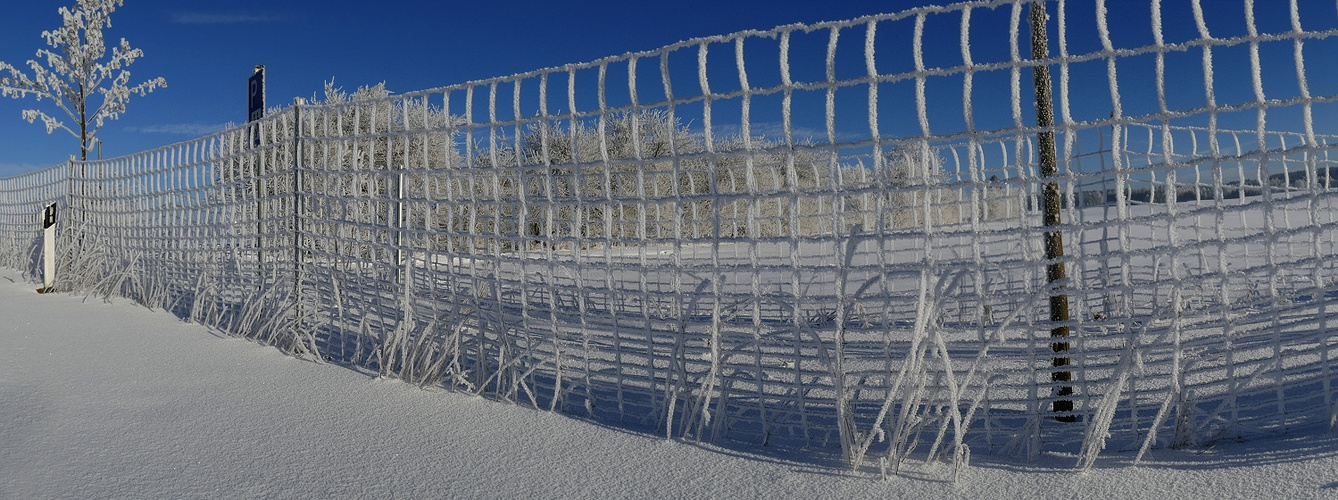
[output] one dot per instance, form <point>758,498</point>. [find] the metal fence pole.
<point>1054,239</point>
<point>258,191</point>
<point>297,210</point>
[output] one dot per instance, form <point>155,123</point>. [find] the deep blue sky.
<point>206,49</point>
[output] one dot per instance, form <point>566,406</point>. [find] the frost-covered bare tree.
<point>75,69</point>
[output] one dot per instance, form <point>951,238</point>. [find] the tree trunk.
<point>83,123</point>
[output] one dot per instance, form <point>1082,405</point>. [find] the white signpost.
<point>48,248</point>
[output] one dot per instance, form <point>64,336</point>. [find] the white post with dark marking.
<point>48,248</point>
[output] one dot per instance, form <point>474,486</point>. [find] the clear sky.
<point>206,49</point>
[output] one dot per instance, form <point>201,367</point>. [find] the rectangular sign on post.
<point>255,95</point>
<point>255,101</point>
<point>48,248</point>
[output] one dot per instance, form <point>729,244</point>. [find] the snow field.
<point>106,399</point>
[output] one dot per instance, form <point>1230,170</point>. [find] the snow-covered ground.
<point>110,400</point>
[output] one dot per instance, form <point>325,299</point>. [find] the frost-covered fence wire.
<point>820,235</point>
<point>22,200</point>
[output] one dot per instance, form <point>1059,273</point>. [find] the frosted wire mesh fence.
<point>825,235</point>
<point>22,200</point>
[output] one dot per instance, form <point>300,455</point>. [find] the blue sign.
<point>255,95</point>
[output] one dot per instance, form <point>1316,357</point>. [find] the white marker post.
<point>48,248</point>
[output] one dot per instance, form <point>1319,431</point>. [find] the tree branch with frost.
<point>74,71</point>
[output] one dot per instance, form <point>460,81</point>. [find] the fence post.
<point>401,271</point>
<point>253,136</point>
<point>1054,239</point>
<point>297,210</point>
<point>72,223</point>
<point>48,248</point>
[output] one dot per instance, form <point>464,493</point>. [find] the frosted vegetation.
<point>880,299</point>
<point>77,76</point>
<point>621,160</point>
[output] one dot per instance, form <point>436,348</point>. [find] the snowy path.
<point>103,400</point>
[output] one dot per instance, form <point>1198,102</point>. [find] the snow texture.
<point>631,258</point>
<point>110,400</point>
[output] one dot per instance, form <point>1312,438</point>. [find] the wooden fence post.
<point>1054,238</point>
